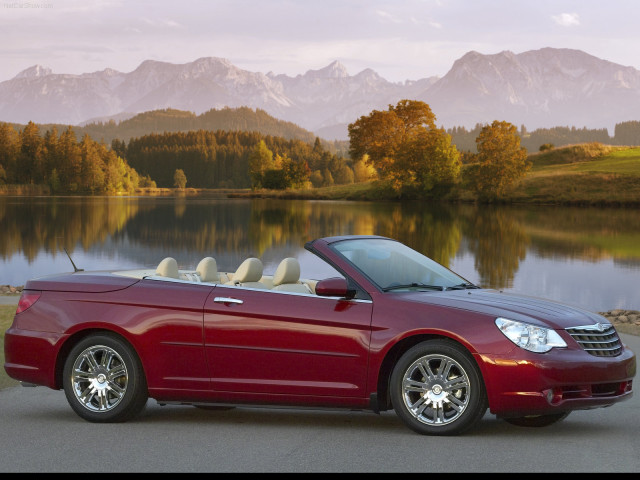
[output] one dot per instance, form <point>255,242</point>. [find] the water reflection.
<point>497,247</point>
<point>498,242</point>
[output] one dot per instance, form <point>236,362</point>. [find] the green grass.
<point>583,174</point>
<point>618,162</point>
<point>6,317</point>
<point>589,174</point>
<point>356,191</point>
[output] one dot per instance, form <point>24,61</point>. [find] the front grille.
<point>599,340</point>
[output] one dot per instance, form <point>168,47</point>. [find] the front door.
<point>266,342</point>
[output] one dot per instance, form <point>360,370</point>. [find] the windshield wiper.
<point>413,285</point>
<point>462,286</point>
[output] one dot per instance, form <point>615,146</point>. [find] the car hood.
<point>514,306</point>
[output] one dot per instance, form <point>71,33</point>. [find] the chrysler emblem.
<point>600,327</point>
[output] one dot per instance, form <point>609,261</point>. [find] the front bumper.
<point>525,383</point>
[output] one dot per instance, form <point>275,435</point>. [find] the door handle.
<point>227,300</point>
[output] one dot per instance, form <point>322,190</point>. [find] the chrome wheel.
<point>99,378</point>
<point>436,390</point>
<point>103,379</point>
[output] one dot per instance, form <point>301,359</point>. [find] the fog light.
<point>553,395</point>
<point>549,395</point>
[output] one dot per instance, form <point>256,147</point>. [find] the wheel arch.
<point>396,351</point>
<point>77,337</point>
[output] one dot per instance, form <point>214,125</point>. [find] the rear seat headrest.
<point>207,269</point>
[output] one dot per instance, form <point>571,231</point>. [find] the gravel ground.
<point>626,321</point>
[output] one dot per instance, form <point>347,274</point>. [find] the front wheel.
<point>104,381</point>
<point>537,420</point>
<point>436,389</point>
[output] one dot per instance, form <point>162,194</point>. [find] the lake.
<point>580,255</point>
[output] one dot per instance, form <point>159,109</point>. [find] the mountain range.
<point>541,88</point>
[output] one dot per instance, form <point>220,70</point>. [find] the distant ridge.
<point>541,88</point>
<point>173,120</point>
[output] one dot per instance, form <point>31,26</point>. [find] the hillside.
<point>172,120</point>
<point>586,174</point>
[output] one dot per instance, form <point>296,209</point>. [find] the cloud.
<point>387,16</point>
<point>566,19</point>
<point>161,23</point>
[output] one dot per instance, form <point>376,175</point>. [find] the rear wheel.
<point>537,420</point>
<point>104,380</point>
<point>436,389</point>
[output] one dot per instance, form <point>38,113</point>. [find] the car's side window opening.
<point>249,274</point>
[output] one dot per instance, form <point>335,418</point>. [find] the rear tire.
<point>436,389</point>
<point>104,381</point>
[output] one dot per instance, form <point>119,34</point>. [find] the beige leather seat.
<point>287,277</point>
<point>207,270</point>
<point>168,268</point>
<point>248,274</point>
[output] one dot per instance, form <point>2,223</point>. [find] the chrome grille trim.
<point>600,340</point>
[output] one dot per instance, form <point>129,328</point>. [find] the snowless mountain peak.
<point>367,72</point>
<point>213,61</point>
<point>334,70</point>
<point>34,71</point>
<point>536,88</point>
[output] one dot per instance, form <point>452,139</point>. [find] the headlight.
<point>530,337</point>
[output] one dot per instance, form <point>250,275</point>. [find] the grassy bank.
<point>582,175</point>
<point>6,317</point>
<point>586,174</point>
<point>590,174</point>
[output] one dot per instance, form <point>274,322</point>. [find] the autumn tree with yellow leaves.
<point>499,163</point>
<point>406,148</point>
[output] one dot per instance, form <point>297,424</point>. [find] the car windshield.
<point>393,266</point>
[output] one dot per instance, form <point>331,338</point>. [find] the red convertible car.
<point>389,329</point>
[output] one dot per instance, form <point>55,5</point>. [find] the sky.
<point>399,39</point>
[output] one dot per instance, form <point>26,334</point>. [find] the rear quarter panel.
<point>163,321</point>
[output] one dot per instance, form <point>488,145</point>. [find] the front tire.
<point>104,381</point>
<point>537,420</point>
<point>436,389</point>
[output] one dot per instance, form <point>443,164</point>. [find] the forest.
<point>62,163</point>
<point>220,159</point>
<point>215,150</point>
<point>208,159</point>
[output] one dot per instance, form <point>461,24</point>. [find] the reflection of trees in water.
<point>499,237</point>
<point>210,226</point>
<point>498,242</point>
<point>30,225</point>
<point>430,229</point>
<point>591,234</point>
